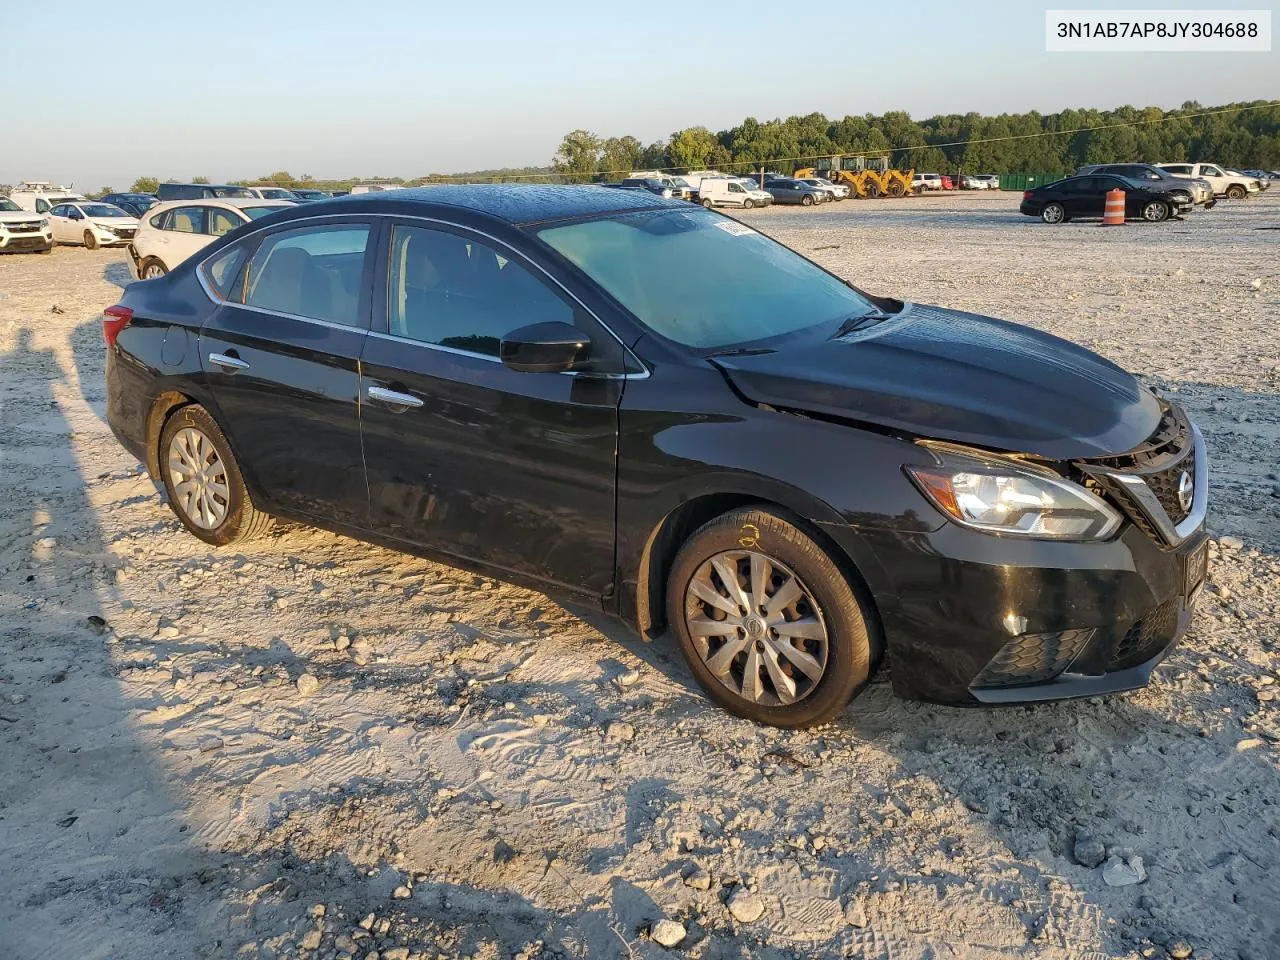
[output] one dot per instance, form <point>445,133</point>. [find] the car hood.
<point>948,375</point>
<point>20,216</point>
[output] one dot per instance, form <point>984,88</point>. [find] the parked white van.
<point>40,196</point>
<point>715,192</point>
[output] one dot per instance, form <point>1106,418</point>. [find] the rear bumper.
<point>972,619</point>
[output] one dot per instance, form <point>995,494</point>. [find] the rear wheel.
<point>1237,192</point>
<point>872,190</point>
<point>1054,213</point>
<point>152,269</point>
<point>203,481</point>
<point>767,622</point>
<point>1155,211</point>
<point>90,241</point>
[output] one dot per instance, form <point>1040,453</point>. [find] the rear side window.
<point>187,220</point>
<point>220,272</point>
<point>312,272</point>
<point>222,222</point>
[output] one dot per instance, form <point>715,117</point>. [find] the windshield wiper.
<point>860,321</point>
<point>740,352</point>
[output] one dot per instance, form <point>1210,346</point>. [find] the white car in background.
<point>837,191</point>
<point>926,181</point>
<point>1222,182</point>
<point>171,232</point>
<point>91,224</point>
<point>23,230</point>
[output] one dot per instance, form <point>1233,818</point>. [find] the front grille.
<point>1147,637</point>
<point>1160,463</point>
<point>1033,658</point>
<point>123,232</point>
<point>30,227</point>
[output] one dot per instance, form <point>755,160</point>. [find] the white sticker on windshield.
<point>734,228</point>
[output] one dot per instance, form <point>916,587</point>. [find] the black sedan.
<point>659,411</point>
<point>134,204</point>
<point>1080,197</point>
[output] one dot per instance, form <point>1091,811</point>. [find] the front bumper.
<point>972,618</point>
<point>108,238</point>
<point>25,242</point>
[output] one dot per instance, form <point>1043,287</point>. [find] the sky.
<point>334,89</point>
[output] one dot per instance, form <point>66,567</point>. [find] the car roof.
<point>219,202</point>
<point>515,203</point>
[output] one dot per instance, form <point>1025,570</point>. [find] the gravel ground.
<point>315,747</point>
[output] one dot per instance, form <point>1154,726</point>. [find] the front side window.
<point>58,211</point>
<point>704,280</point>
<point>222,222</point>
<point>312,272</point>
<point>42,206</point>
<point>455,292</point>
<point>1212,171</point>
<point>187,220</point>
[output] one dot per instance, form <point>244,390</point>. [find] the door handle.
<point>394,397</point>
<point>231,364</point>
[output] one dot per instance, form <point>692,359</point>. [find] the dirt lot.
<point>316,747</point>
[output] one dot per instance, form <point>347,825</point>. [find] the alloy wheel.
<point>1155,211</point>
<point>152,271</point>
<point>1052,213</point>
<point>757,627</point>
<point>199,478</point>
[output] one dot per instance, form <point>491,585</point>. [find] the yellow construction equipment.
<point>867,177</point>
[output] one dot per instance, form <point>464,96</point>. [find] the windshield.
<point>231,192</point>
<point>101,210</point>
<point>704,280</point>
<point>8,205</point>
<point>253,213</point>
<point>681,182</point>
<point>275,193</point>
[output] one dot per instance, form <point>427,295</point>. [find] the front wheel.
<point>1155,211</point>
<point>769,625</point>
<point>896,189</point>
<point>1236,192</point>
<point>1054,213</point>
<point>872,190</point>
<point>707,203</point>
<point>90,241</point>
<point>748,204</point>
<point>203,481</point>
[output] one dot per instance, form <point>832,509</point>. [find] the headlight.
<point>1018,504</point>
<point>44,224</point>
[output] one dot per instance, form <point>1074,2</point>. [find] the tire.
<point>1156,211</point>
<point>1054,213</point>
<point>872,190</point>
<point>221,511</point>
<point>896,189</point>
<point>807,200</point>
<point>707,203</point>
<point>1236,192</point>
<point>90,241</point>
<point>748,203</point>
<point>152,268</point>
<point>48,249</point>
<point>835,647</point>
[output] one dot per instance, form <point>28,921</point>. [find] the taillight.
<point>1026,194</point>
<point>115,319</point>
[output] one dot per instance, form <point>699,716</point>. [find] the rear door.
<point>465,456</point>
<point>281,355</point>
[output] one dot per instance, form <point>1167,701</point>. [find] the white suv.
<point>1223,183</point>
<point>926,181</point>
<point>273,193</point>
<point>171,232</point>
<point>23,230</point>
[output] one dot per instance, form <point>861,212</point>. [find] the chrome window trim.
<point>642,374</point>
<point>490,358</point>
<point>1138,489</point>
<point>358,328</point>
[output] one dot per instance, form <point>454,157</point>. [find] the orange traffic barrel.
<point>1113,214</point>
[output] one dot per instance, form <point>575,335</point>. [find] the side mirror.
<point>543,347</point>
<point>77,215</point>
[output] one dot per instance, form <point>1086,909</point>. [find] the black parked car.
<point>664,413</point>
<point>199,191</point>
<point>1198,190</point>
<point>134,204</point>
<point>651,184</point>
<point>1087,196</point>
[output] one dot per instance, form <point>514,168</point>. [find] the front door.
<point>1086,196</point>
<point>281,356</point>
<point>465,456</point>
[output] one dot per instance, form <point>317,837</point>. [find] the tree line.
<point>1241,135</point>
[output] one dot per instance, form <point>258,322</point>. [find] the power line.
<point>889,150</point>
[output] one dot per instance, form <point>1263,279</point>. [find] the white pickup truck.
<point>1223,183</point>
